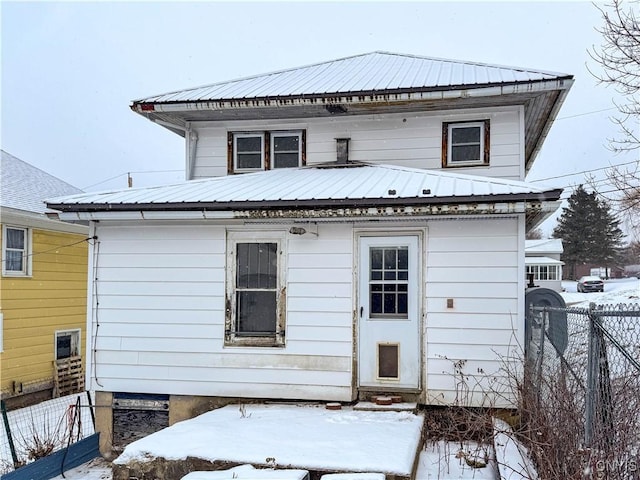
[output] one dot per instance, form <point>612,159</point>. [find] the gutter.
<point>550,195</point>
<point>144,107</point>
<point>367,213</point>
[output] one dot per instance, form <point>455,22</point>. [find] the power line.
<point>35,254</point>
<point>585,171</point>
<point>125,174</point>
<point>587,113</point>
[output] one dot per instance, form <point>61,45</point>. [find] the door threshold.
<point>394,407</point>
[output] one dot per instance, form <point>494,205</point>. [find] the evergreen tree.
<point>590,233</point>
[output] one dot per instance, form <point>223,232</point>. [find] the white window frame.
<point>74,332</point>
<point>231,338</point>
<point>285,133</point>
<point>483,125</point>
<point>552,271</point>
<point>26,253</point>
<point>238,135</point>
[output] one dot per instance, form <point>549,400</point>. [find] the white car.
<point>590,283</point>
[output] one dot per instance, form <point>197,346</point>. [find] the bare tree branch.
<point>619,57</point>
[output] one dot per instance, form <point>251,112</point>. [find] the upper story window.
<point>465,143</point>
<point>255,151</point>
<point>248,151</point>
<point>15,251</point>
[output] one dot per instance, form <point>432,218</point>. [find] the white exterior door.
<point>389,312</point>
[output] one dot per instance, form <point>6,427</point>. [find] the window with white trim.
<point>255,301</point>
<point>465,143</point>
<point>67,344</point>
<point>248,151</point>
<point>544,272</point>
<point>255,151</point>
<point>286,149</point>
<point>16,244</point>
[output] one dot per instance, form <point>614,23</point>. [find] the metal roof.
<point>372,72</point>
<point>25,187</point>
<point>328,185</point>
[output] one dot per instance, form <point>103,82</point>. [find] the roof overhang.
<point>541,100</point>
<point>21,218</point>
<point>536,209</point>
<point>530,260</point>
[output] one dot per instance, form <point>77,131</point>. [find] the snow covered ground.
<point>383,441</point>
<point>439,460</point>
<point>617,290</point>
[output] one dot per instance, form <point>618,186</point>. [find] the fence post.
<point>12,447</point>
<point>593,357</point>
<point>544,317</point>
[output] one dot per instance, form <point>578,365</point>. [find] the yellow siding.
<point>53,298</point>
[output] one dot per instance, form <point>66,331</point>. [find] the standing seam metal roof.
<point>307,184</point>
<point>377,71</point>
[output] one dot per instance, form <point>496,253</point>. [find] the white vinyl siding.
<point>411,140</point>
<point>475,263</point>
<point>162,313</point>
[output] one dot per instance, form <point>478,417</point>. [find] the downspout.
<point>191,148</point>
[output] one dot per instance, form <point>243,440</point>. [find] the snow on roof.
<point>309,437</point>
<point>546,245</point>
<point>25,187</point>
<point>542,261</point>
<point>376,71</point>
<point>354,183</point>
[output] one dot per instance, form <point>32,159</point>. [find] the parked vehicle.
<point>590,283</point>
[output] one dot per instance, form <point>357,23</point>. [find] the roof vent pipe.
<point>342,150</point>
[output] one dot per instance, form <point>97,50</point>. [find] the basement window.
<point>67,344</point>
<point>465,144</point>
<point>255,302</point>
<point>256,151</point>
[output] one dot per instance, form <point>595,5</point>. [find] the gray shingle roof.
<point>355,185</point>
<point>376,71</point>
<point>25,187</point>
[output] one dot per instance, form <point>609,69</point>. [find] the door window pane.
<point>388,282</point>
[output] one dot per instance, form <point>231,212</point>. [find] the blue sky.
<point>70,71</point>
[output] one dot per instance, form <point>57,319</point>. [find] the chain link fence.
<point>583,370</point>
<point>30,433</point>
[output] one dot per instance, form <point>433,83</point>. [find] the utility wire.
<point>125,174</point>
<point>34,254</point>
<point>585,171</point>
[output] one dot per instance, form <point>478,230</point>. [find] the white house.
<point>348,227</point>
<point>542,259</point>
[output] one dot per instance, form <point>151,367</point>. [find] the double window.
<point>254,151</point>
<point>15,251</point>
<point>255,303</point>
<point>465,144</point>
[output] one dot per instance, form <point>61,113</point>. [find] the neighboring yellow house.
<point>43,288</point>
